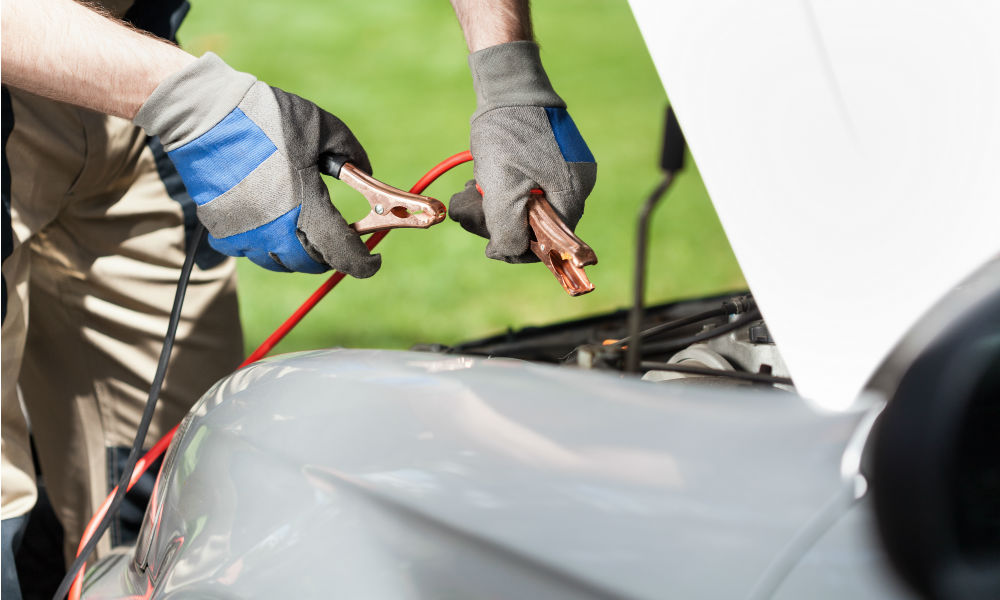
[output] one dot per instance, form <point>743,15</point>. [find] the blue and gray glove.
<point>522,138</point>
<point>248,154</point>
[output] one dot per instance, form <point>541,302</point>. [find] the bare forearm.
<point>62,50</point>
<point>490,22</point>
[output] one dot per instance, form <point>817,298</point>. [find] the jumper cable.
<point>554,244</point>
<point>142,465</point>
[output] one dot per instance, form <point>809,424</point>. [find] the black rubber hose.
<point>633,354</point>
<point>147,416</point>
<point>680,343</point>
<point>693,370</point>
<point>671,162</point>
<point>675,324</point>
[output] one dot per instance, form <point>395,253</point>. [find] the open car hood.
<point>851,151</point>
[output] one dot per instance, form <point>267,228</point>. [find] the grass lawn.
<point>396,72</point>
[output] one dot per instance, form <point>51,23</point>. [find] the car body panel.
<point>846,562</point>
<point>400,474</point>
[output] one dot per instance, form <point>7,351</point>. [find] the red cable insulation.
<point>272,340</point>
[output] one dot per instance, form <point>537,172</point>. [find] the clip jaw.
<point>558,247</point>
<point>391,208</point>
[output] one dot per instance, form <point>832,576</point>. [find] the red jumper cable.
<point>161,445</point>
<point>555,245</point>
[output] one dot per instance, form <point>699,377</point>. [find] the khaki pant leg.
<point>18,474</point>
<point>103,280</point>
<point>37,176</point>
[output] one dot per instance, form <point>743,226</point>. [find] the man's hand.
<point>248,154</point>
<point>522,138</point>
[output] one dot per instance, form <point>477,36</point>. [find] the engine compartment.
<point>717,340</point>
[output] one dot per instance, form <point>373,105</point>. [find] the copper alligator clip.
<point>391,208</point>
<point>558,247</point>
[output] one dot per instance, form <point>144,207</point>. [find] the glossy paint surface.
<point>373,474</point>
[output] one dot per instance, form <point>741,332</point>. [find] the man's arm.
<point>521,138</point>
<point>487,23</point>
<point>247,152</point>
<point>67,52</point>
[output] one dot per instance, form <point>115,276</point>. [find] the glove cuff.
<point>193,100</point>
<point>511,74</point>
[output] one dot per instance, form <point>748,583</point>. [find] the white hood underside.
<point>852,151</point>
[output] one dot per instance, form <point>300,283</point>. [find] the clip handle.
<point>391,208</point>
<point>331,164</point>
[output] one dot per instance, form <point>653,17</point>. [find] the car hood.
<point>404,474</point>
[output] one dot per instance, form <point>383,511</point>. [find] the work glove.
<point>522,138</point>
<point>248,154</point>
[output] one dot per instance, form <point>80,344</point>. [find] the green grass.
<point>396,73</point>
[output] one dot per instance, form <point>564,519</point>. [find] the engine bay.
<point>718,340</point>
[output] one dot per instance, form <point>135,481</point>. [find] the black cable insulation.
<point>675,324</point>
<point>147,416</point>
<point>684,342</point>
<point>633,354</point>
<point>693,370</point>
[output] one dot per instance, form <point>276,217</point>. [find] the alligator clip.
<point>558,247</point>
<point>391,208</point>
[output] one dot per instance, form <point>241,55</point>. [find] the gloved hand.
<point>522,138</point>
<point>248,154</point>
